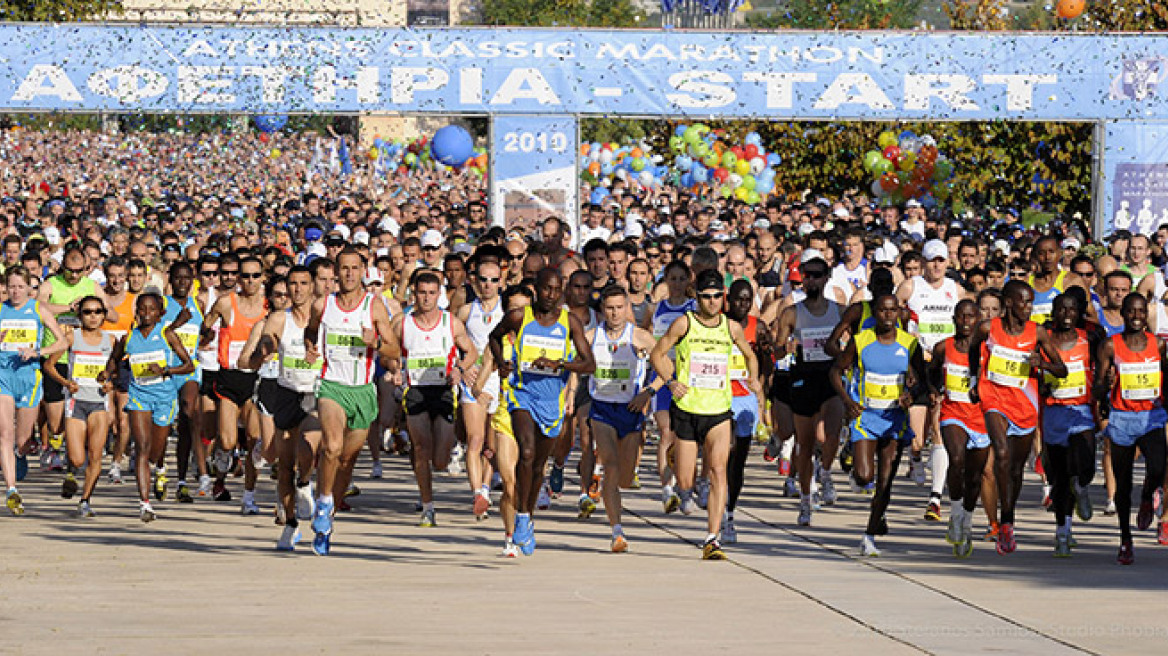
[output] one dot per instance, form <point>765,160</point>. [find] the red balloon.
<point>738,152</point>
<point>750,151</point>
<point>892,154</point>
<point>264,138</point>
<point>889,181</point>
<point>721,174</point>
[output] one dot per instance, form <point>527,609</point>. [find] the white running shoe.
<point>827,487</point>
<point>84,509</point>
<point>688,505</point>
<point>456,455</point>
<point>288,539</point>
<point>305,502</point>
<point>375,470</point>
<point>956,521</point>
<point>868,547</point>
<point>205,485</point>
<point>545,500</point>
<point>115,474</point>
<point>146,512</point>
<point>249,507</point>
<point>729,532</point>
<point>510,550</point>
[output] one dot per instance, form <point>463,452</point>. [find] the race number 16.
<point>535,142</point>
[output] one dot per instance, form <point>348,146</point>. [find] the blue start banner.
<point>1135,177</point>
<point>831,75</point>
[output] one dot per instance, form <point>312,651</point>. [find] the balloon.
<point>742,167</point>
<point>729,159</point>
<point>452,144</point>
<point>907,161</point>
<point>752,139</point>
<point>757,165</point>
<point>598,195</point>
<point>691,135</point>
<point>410,159</point>
<point>927,154</point>
<point>892,154</point>
<point>739,152</point>
<point>942,170</point>
<point>481,161</point>
<point>877,188</point>
<point>1071,8</point>
<point>711,160</point>
<point>605,157</point>
<point>646,178</point>
<point>676,144</point>
<point>701,174</point>
<point>907,134</point>
<point>764,186</point>
<point>928,140</point>
<point>638,164</point>
<point>753,198</point>
<point>740,193</point>
<point>264,138</point>
<point>910,145</point>
<point>270,123</point>
<point>636,152</point>
<point>374,152</point>
<point>883,166</point>
<point>871,158</point>
<point>886,139</point>
<point>721,174</point>
<point>748,182</point>
<point>687,180</point>
<point>750,152</point>
<point>683,163</point>
<point>594,168</point>
<point>888,182</point>
<point>701,149</point>
<point>607,169</point>
<point>773,159</point>
<point>679,131</point>
<point>734,180</point>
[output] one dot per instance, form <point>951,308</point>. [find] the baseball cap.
<point>665,230</point>
<point>841,212</point>
<point>762,224</point>
<point>52,235</point>
<point>431,239</point>
<point>633,230</point>
<point>886,254</point>
<point>912,202</point>
<point>372,274</point>
<point>812,254</point>
<point>709,279</point>
<point>361,238</point>
<point>1069,242</point>
<point>935,249</point>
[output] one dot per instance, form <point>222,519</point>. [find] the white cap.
<point>633,230</point>
<point>361,238</point>
<point>1002,246</point>
<point>372,274</point>
<point>52,235</point>
<point>886,254</point>
<point>762,224</point>
<point>912,202</point>
<point>432,238</point>
<point>665,230</point>
<point>316,248</point>
<point>935,248</point>
<point>1069,242</point>
<point>811,254</point>
<point>806,229</point>
<point>344,230</point>
<point>390,225</point>
<point>463,248</point>
<point>716,224</point>
<point>841,212</point>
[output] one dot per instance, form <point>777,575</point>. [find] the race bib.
<point>188,334</point>
<point>813,341</point>
<point>86,368</point>
<point>957,383</point>
<point>882,391</point>
<point>233,351</point>
<point>1071,387</point>
<point>140,362</point>
<point>346,345</point>
<point>611,381</point>
<point>18,334</point>
<point>708,371</point>
<point>1139,381</point>
<point>535,347</point>
<point>1008,367</point>
<point>426,370</point>
<point>738,370</point>
<point>1040,312</point>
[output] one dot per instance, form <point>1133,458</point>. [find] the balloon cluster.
<point>908,166</point>
<point>703,159</point>
<point>632,163</point>
<point>425,153</point>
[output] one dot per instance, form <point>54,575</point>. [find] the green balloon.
<point>748,182</point>
<point>692,135</point>
<point>882,166</point>
<point>677,144</point>
<point>711,160</point>
<point>871,158</point>
<point>729,159</point>
<point>752,198</point>
<point>701,149</point>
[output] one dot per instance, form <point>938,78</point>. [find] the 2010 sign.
<point>535,142</point>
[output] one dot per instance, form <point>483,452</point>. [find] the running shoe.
<point>556,481</point>
<point>1145,516</point>
<point>586,507</point>
<point>933,511</point>
<point>688,505</point>
<point>183,494</point>
<point>827,493</point>
<point>636,484</point>
<point>56,462</point>
<point>219,491</point>
<point>352,491</point>
<point>160,482</point>
<point>375,471</point>
<point>510,550</point>
<point>221,461</point>
<point>1109,511</point>
<point>870,489</point>
<point>619,544</point>
<point>21,467</point>
<point>816,500</point>
<point>992,532</point>
<point>84,509</point>
<point>702,490</point>
<point>964,548</point>
<point>805,512</point>
<point>205,484</point>
<point>953,534</point>
<point>288,539</point>
<point>481,504</point>
<point>146,512</point>
<point>868,547</point>
<point>772,450</point>
<point>1006,542</point>
<point>456,456</point>
<point>671,501</point>
<point>428,520</point>
<point>115,474</point>
<point>249,507</point>
<point>790,488</point>
<point>522,530</point>
<point>1162,538</point>
<point>322,518</point>
<point>916,468</point>
<point>729,531</point>
<point>1083,502</point>
<point>545,500</point>
<point>14,502</point>
<point>526,543</point>
<point>712,550</point>
<point>845,455</point>
<point>322,544</point>
<point>69,486</point>
<point>594,489</point>
<point>1062,545</point>
<point>305,503</point>
<point>784,467</point>
<point>1127,555</point>
<point>280,513</point>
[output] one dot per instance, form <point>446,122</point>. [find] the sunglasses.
<point>91,312</point>
<point>75,272</point>
<point>485,279</point>
<point>251,276</point>
<point>229,272</point>
<point>710,296</point>
<point>209,273</point>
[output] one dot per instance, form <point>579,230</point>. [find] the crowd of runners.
<point>182,328</point>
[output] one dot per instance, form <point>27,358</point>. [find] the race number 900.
<point>535,142</point>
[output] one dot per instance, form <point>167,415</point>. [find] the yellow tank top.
<point>703,365</point>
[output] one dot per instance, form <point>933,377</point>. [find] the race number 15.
<point>535,142</point>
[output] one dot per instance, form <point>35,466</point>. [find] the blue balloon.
<point>773,160</point>
<point>598,195</point>
<point>606,169</point>
<point>767,174</point>
<point>700,173</point>
<point>687,180</point>
<point>379,143</point>
<point>452,145</point>
<point>680,130</point>
<point>683,163</point>
<point>270,123</point>
<point>764,185</point>
<point>752,139</point>
<point>907,134</point>
<point>661,172</point>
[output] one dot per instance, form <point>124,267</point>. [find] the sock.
<point>324,499</point>
<point>710,537</point>
<point>522,515</point>
<point>1067,523</point>
<point>617,530</point>
<point>940,461</point>
<point>667,490</point>
<point>729,515</point>
<point>485,491</point>
<point>428,506</point>
<point>956,506</point>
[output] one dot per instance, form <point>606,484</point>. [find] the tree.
<point>61,11</point>
<point>561,13</point>
<point>839,15</point>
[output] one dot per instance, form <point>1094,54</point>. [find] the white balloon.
<point>757,165</point>
<point>646,178</point>
<point>734,181</point>
<point>928,140</point>
<point>623,174</point>
<point>605,156</point>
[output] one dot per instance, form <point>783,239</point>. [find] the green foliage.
<point>549,13</point>
<point>839,14</point>
<point>62,11</point>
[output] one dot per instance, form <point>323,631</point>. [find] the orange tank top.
<point>1138,381</point>
<point>233,337</point>
<point>956,404</point>
<point>125,311</point>
<point>738,370</point>
<point>1004,382</point>
<point>1075,388</point>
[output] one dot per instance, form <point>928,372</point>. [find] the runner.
<point>1068,422</point>
<point>806,326</point>
<point>86,417</point>
<point>260,422</point>
<point>676,303</point>
<point>152,349</point>
<point>344,329</point>
<point>1130,373</point>
<point>581,299</point>
<point>23,324</point>
<point>888,364</point>
<point>119,294</point>
<point>292,405</point>
<point>962,426</point>
<point>701,414</point>
<point>1009,351</point>
<point>550,345</point>
<point>432,371</point>
<point>480,317</point>
<point>619,400</point>
<point>184,316</point>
